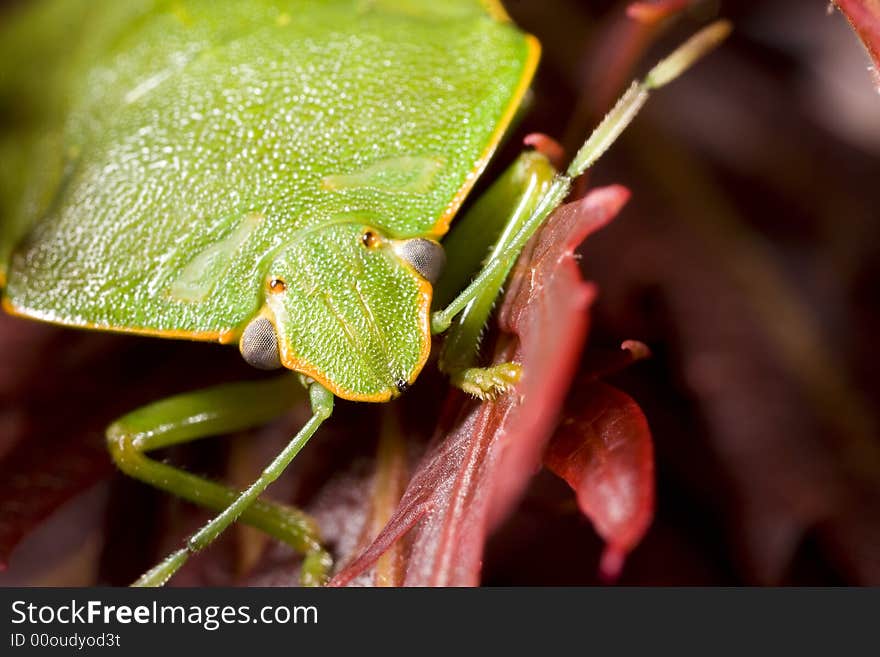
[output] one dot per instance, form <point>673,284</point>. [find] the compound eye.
<point>425,256</point>
<point>259,345</point>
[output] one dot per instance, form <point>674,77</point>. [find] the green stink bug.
<point>277,175</point>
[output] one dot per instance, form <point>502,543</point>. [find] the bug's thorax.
<point>349,307</point>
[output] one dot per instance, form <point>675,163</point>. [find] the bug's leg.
<point>497,215</point>
<point>214,411</point>
<point>601,139</point>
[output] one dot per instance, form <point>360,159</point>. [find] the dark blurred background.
<point>747,260</point>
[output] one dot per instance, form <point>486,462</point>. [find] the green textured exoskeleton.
<point>277,174</point>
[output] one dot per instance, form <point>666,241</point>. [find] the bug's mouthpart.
<point>425,256</point>
<point>259,344</point>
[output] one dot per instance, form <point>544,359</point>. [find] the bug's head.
<point>349,307</point>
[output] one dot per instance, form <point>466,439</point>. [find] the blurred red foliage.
<point>747,261</point>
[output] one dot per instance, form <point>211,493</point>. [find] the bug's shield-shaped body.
<point>224,162</point>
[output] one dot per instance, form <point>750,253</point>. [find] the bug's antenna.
<point>614,123</point>
<point>626,109</point>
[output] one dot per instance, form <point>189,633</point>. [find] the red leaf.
<point>474,474</point>
<point>603,449</point>
<point>549,147</point>
<point>864,16</point>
